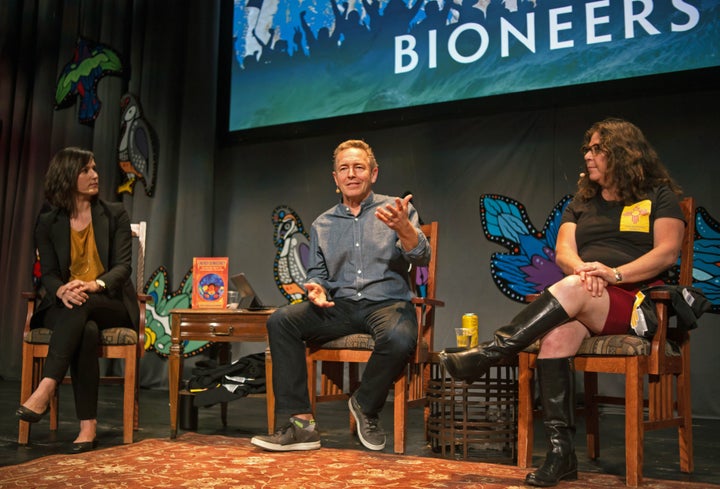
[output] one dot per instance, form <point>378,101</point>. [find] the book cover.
<point>210,282</point>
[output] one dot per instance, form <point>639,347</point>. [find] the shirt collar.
<point>365,204</point>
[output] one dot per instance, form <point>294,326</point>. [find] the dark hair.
<point>633,165</point>
<point>359,144</point>
<point>62,176</point>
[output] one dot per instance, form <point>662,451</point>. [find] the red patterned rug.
<point>218,462</point>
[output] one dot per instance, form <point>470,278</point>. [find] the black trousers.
<point>392,324</point>
<point>74,345</point>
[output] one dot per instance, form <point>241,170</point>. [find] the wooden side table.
<point>216,325</point>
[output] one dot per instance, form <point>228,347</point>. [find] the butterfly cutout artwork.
<point>529,265</point>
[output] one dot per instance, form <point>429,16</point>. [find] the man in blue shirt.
<point>360,251</point>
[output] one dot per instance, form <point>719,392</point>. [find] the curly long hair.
<point>633,165</point>
<point>359,144</point>
<point>62,177</point>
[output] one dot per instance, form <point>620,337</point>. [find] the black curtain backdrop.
<point>215,194</point>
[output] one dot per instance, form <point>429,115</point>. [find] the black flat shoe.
<point>83,446</point>
<point>29,415</point>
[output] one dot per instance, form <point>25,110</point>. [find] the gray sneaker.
<point>291,436</point>
<point>368,427</point>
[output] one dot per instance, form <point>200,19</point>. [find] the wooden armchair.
<point>125,343</point>
<point>658,362</point>
<point>410,388</point>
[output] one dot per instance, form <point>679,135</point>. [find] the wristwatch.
<point>102,284</point>
<point>618,275</point>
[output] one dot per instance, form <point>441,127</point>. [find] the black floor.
<point>246,418</point>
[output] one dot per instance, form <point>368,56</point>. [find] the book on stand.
<point>210,282</point>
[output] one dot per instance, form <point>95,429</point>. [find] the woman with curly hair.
<point>621,233</point>
<point>85,249</point>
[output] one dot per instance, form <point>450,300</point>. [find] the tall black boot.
<point>556,378</point>
<point>539,317</point>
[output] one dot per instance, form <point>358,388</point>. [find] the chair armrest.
<point>426,301</point>
<point>660,295</point>
<point>29,298</point>
<point>425,309</point>
<point>658,359</point>
<point>142,299</point>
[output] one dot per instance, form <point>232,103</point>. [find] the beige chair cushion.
<point>110,336</point>
<point>618,344</point>
<point>351,342</point>
<point>354,342</point>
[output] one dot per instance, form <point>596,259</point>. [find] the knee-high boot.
<point>538,317</point>
<point>557,395</point>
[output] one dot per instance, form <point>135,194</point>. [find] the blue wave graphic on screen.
<point>297,62</point>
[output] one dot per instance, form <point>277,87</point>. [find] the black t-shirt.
<point>613,233</point>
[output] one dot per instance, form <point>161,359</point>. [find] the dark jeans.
<point>392,324</point>
<point>74,345</point>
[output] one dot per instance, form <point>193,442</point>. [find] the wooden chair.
<point>124,343</point>
<point>658,362</point>
<point>409,389</point>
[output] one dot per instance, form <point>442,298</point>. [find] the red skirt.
<point>622,300</point>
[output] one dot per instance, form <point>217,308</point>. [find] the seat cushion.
<point>351,342</point>
<point>617,344</point>
<point>38,336</point>
<point>357,341</point>
<point>110,336</point>
<point>118,336</point>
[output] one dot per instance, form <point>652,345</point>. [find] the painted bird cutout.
<point>293,249</point>
<point>137,150</point>
<point>79,78</point>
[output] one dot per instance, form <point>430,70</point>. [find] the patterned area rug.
<point>215,462</point>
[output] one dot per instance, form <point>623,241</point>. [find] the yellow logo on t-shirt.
<point>636,217</point>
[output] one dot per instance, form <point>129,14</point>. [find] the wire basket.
<point>476,421</point>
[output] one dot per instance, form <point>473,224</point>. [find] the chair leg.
<point>129,396</point>
<point>136,411</point>
<point>634,430</point>
<point>26,385</point>
<point>592,415</point>
<point>354,377</point>
<point>332,377</point>
<point>427,375</point>
<point>269,393</point>
<point>526,432</point>
<point>401,410</point>
<point>311,366</point>
<point>684,408</point>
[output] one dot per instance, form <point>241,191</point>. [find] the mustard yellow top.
<point>85,263</point>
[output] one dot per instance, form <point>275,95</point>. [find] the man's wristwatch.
<point>102,284</point>
<point>618,275</point>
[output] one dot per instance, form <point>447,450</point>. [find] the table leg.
<point>224,358</point>
<point>174,372</point>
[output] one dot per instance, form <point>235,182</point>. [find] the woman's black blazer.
<point>113,239</point>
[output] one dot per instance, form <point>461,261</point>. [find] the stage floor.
<point>246,418</point>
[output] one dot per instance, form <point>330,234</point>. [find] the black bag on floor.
<point>226,383</point>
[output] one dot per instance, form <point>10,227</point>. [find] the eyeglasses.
<point>595,148</point>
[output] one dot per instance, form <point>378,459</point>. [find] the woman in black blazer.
<point>85,249</point>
